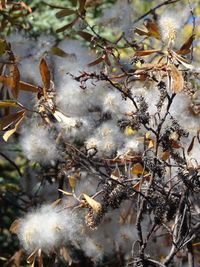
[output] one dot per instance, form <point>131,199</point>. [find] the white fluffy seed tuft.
<point>47,228</point>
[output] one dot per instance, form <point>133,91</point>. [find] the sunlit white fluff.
<point>106,139</point>
<point>116,105</point>
<point>169,24</point>
<point>38,144</point>
<point>48,228</point>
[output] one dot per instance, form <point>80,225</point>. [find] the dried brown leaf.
<point>10,119</point>
<point>65,254</point>
<point>140,31</point>
<point>65,192</point>
<point>146,52</point>
<point>138,169</point>
<point>15,78</point>
<point>185,48</point>
<point>72,181</point>
<point>45,74</point>
<point>177,83</point>
<point>65,12</point>
<point>153,29</point>
<point>96,206</point>
<point>82,5</point>
<point>87,36</point>
<point>8,103</point>
<point>3,4</point>
<point>14,226</point>
<point>21,85</point>
<point>96,61</point>
<point>165,155</point>
<point>31,258</point>
<point>8,133</point>
<point>66,26</point>
<point>59,52</point>
<point>189,150</point>
<point>28,87</point>
<point>55,6</point>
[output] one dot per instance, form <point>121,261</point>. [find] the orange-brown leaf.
<point>8,133</point>
<point>61,53</point>
<point>87,36</point>
<point>7,81</point>
<point>15,77</point>
<point>14,226</point>
<point>153,29</point>
<point>96,206</point>
<point>96,61</point>
<point>55,6</point>
<point>3,4</point>
<point>82,5</point>
<point>185,48</point>
<point>177,83</point>
<point>45,74</point>
<point>28,87</point>
<point>140,31</point>
<point>10,119</point>
<point>165,155</point>
<point>65,254</point>
<point>138,169</point>
<point>175,144</point>
<point>106,59</point>
<point>72,181</point>
<point>146,52</point>
<point>65,12</point>
<point>8,103</point>
<point>66,26</point>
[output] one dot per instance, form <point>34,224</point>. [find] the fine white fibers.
<point>116,105</point>
<point>106,140</point>
<point>93,249</point>
<point>169,24</point>
<point>38,144</point>
<point>126,236</point>
<point>48,228</point>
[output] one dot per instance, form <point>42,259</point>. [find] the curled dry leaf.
<point>7,81</point>
<point>82,5</point>
<point>3,4</point>
<point>45,74</point>
<point>177,83</point>
<point>65,12</point>
<point>65,254</point>
<point>138,169</point>
<point>146,52</point>
<point>185,48</point>
<point>8,133</point>
<point>189,150</point>
<point>8,103</point>
<point>96,61</point>
<point>96,206</point>
<point>10,119</point>
<point>165,155</point>
<point>59,52</point>
<point>31,258</point>
<point>151,30</point>
<point>14,226</point>
<point>72,181</point>
<point>15,78</point>
<point>65,192</point>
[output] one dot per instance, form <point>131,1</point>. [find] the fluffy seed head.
<point>47,228</point>
<point>168,26</point>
